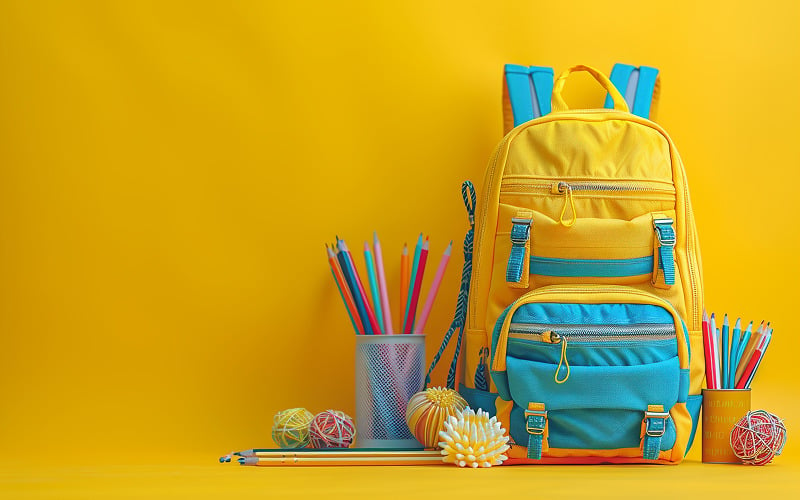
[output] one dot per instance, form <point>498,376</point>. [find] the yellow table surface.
<point>201,477</point>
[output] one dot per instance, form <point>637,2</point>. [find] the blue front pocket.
<point>596,368</point>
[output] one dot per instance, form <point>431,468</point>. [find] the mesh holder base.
<point>389,370</point>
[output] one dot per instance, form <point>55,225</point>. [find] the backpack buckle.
<point>653,427</point>
<point>521,231</point>
<point>530,423</point>
<point>664,231</point>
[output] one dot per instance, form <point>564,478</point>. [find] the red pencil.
<point>412,311</point>
<point>708,344</point>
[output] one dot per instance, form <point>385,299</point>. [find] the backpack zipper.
<point>593,333</point>
<point>498,359</point>
<point>560,187</point>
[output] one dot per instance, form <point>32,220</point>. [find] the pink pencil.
<point>387,315</point>
<point>437,280</point>
<point>412,310</point>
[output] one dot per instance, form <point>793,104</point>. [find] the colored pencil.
<point>338,452</point>
<point>736,337</point>
<point>714,355</point>
<point>371,324</point>
<point>740,352</point>
<point>404,280</point>
<point>331,461</point>
<point>412,277</point>
<point>344,292</point>
<point>749,349</point>
<point>434,289</point>
<point>726,353</point>
<point>708,344</point>
<point>412,312</point>
<point>373,286</point>
<point>766,342</point>
<point>388,328</point>
<point>751,364</point>
<point>350,279</point>
<point>743,343</point>
<point>717,351</point>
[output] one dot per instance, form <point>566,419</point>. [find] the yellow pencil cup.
<point>722,408</point>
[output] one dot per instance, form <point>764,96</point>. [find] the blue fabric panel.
<point>618,387</point>
<point>519,93</point>
<point>644,91</point>
<point>693,404</point>
<point>479,399</point>
<point>530,90</point>
<point>500,379</point>
<point>623,353</point>
<point>591,314</point>
<point>542,79</point>
<point>683,388</point>
<point>620,75</point>
<point>599,268</point>
<point>591,429</point>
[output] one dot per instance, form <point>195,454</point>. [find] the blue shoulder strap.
<point>527,92</point>
<point>640,87</point>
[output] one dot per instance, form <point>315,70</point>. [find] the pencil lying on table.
<point>333,456</point>
<point>339,460</point>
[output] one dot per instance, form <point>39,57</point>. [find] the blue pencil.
<point>726,354</point>
<point>735,340</point>
<point>349,276</point>
<point>742,346</point>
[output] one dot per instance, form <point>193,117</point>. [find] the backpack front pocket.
<point>542,251</point>
<point>602,375</point>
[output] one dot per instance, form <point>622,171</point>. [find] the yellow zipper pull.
<point>554,338</point>
<point>566,190</point>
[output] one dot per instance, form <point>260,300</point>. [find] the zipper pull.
<point>566,190</point>
<point>552,337</point>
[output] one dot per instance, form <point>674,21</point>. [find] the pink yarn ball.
<point>332,429</point>
<point>758,437</point>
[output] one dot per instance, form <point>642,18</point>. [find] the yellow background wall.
<point>170,172</point>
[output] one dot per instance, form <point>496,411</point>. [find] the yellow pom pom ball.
<point>428,410</point>
<point>290,428</point>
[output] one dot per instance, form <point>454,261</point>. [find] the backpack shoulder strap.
<point>527,91</point>
<point>640,86</point>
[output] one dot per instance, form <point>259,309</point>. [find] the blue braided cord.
<point>480,372</point>
<point>460,316</point>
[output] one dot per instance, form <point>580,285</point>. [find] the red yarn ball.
<point>758,437</point>
<point>332,429</point>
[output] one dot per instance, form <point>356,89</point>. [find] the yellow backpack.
<point>583,318</point>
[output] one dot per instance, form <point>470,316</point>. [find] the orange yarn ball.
<point>758,437</point>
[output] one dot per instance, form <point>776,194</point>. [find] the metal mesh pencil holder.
<point>389,370</point>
